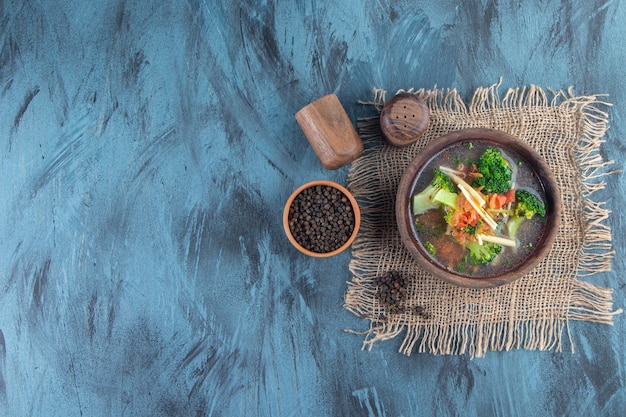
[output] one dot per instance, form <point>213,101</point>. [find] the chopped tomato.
<point>464,215</point>
<point>510,196</point>
<point>462,203</point>
<point>497,201</point>
<point>468,218</point>
<point>483,228</point>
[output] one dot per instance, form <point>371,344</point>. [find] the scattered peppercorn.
<point>321,218</point>
<point>391,292</point>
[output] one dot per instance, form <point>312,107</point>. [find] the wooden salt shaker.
<point>404,119</point>
<point>330,132</point>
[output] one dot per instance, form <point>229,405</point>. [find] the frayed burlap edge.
<point>586,302</point>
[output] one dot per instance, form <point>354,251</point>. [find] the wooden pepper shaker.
<point>404,119</point>
<point>330,132</point>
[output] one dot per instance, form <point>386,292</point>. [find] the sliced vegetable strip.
<point>482,213</point>
<point>458,180</point>
<point>497,240</point>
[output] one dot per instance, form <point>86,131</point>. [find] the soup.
<point>447,249</point>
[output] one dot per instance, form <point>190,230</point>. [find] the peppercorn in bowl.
<point>321,218</point>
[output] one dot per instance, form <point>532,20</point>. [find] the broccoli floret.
<point>445,197</point>
<point>430,248</point>
<point>527,205</point>
<point>441,180</point>
<point>471,229</point>
<point>439,192</point>
<point>481,254</point>
<point>448,215</point>
<point>496,172</point>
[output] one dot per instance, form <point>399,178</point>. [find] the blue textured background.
<point>147,148</point>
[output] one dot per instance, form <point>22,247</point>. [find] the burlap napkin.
<point>531,313</point>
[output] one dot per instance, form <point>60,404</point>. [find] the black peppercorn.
<point>391,292</point>
<point>321,218</point>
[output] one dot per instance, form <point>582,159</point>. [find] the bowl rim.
<point>504,140</point>
<point>355,209</point>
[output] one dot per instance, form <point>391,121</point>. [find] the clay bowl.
<point>356,213</point>
<point>508,144</point>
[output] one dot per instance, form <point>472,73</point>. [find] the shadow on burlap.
<point>533,312</point>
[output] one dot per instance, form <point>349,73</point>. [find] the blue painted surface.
<point>147,148</point>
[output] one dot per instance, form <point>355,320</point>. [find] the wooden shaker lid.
<point>404,119</point>
<point>330,132</point>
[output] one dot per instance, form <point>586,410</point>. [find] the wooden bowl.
<point>505,142</point>
<point>355,210</point>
